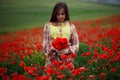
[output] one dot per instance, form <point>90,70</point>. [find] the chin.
<point>61,21</point>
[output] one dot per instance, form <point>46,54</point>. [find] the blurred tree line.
<point>116,2</point>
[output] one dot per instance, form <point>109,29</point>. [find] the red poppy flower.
<point>70,79</point>
<point>56,63</point>
<point>61,76</point>
<point>70,66</point>
<point>113,70</point>
<point>102,76</point>
<point>89,61</point>
<point>91,77</point>
<point>61,67</point>
<point>50,70</point>
<point>27,68</point>
<point>21,64</point>
<point>75,72</point>
<point>64,56</point>
<point>21,77</point>
<point>72,55</point>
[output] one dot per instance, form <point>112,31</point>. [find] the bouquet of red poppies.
<point>60,43</point>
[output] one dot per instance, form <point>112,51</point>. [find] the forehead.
<point>61,11</point>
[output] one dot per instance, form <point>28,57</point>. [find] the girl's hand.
<point>63,51</point>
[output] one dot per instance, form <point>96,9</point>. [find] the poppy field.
<point>21,56</point>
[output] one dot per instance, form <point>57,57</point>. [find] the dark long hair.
<point>57,7</point>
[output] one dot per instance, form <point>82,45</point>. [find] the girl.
<point>59,26</point>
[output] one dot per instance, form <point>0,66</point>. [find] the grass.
<point>25,14</point>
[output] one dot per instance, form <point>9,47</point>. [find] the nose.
<point>61,16</point>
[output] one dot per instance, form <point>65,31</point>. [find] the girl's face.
<point>61,15</point>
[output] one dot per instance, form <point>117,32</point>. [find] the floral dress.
<point>64,30</point>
